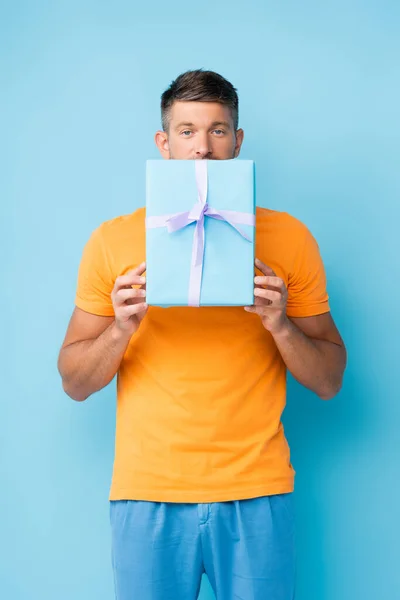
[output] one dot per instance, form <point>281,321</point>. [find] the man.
<point>202,478</point>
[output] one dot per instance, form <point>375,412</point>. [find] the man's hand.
<point>130,303</point>
<point>270,299</point>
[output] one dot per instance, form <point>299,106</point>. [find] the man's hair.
<point>200,86</point>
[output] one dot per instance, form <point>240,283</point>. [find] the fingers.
<point>272,295</point>
<point>133,277</point>
<point>258,300</point>
<point>258,309</point>
<point>271,281</point>
<point>140,269</point>
<point>251,309</point>
<point>264,298</point>
<point>123,292</point>
<point>264,268</point>
<point>128,310</point>
<point>259,303</point>
<point>128,295</point>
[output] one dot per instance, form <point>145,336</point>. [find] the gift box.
<point>200,232</point>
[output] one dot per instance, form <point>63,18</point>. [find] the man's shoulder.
<point>115,230</point>
<point>278,222</point>
<point>118,225</point>
<point>121,240</point>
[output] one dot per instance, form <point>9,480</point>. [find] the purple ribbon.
<point>196,215</point>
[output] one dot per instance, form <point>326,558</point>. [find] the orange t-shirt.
<point>201,391</point>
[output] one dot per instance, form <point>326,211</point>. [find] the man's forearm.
<point>89,365</point>
<point>316,364</point>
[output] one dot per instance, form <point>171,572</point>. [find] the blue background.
<point>319,96</point>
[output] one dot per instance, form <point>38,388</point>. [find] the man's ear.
<point>161,140</point>
<point>239,142</point>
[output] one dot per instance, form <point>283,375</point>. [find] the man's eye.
<point>186,131</point>
<point>219,131</point>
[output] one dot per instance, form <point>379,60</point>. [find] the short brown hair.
<point>200,86</point>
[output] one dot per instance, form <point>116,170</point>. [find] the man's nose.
<point>202,145</point>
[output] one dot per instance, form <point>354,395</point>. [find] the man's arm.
<point>91,354</point>
<point>95,345</point>
<point>311,347</point>
<point>314,353</point>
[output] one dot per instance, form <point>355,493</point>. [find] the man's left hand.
<point>270,299</point>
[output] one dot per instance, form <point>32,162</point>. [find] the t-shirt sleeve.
<point>95,280</point>
<point>307,287</point>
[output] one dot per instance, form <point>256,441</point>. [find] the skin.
<point>94,346</point>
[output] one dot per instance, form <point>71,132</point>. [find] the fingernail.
<point>142,279</point>
<point>257,279</point>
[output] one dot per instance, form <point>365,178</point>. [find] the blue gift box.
<point>174,214</point>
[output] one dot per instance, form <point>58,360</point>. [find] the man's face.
<point>199,130</point>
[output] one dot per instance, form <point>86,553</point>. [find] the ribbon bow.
<point>199,211</point>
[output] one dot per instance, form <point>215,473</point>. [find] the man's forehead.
<point>194,113</point>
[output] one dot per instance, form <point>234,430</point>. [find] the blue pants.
<point>246,548</point>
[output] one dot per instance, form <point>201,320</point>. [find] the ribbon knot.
<point>198,211</point>
<point>196,215</point>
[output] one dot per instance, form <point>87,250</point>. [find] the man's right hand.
<point>130,303</point>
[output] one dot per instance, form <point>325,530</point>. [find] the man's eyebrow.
<point>184,124</point>
<point>214,124</point>
<point>223,123</point>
